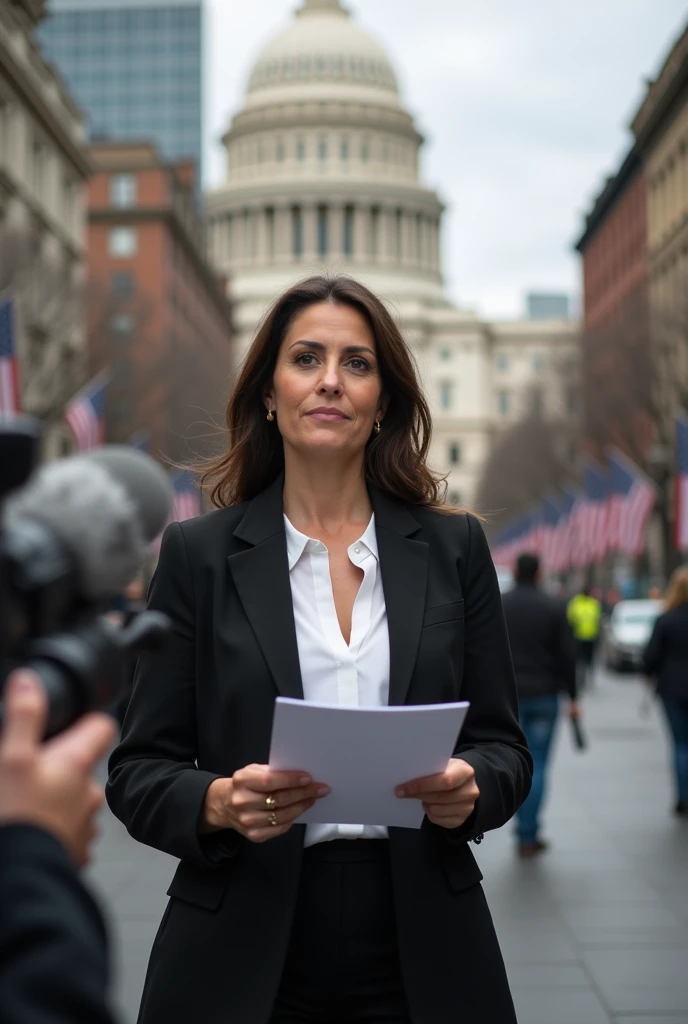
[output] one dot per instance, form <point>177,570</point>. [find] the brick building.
<point>615,340</point>
<point>158,316</point>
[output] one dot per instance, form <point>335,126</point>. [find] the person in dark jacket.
<point>544,655</point>
<point>666,662</point>
<point>53,945</point>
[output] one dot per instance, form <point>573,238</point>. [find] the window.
<point>446,394</point>
<point>348,240</point>
<point>122,323</point>
<point>37,166</point>
<point>122,284</point>
<point>455,453</point>
<point>373,246</point>
<point>322,231</point>
<point>322,150</point>
<point>122,242</point>
<point>270,231</point>
<point>365,151</point>
<point>454,498</point>
<point>537,402</point>
<point>571,401</point>
<point>280,151</point>
<point>344,150</point>
<point>537,362</point>
<point>503,402</point>
<point>297,231</point>
<point>445,353</point>
<point>122,190</point>
<point>300,150</point>
<point>502,362</point>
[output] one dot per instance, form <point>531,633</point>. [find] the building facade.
<point>322,175</point>
<point>159,319</point>
<point>43,171</point>
<point>661,130</point>
<point>134,67</point>
<point>615,340</point>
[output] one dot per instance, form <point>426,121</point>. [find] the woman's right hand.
<point>241,802</point>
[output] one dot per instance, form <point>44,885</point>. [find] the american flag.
<point>682,482</point>
<point>186,501</point>
<point>632,498</point>
<point>86,414</point>
<point>523,534</point>
<point>552,553</point>
<point>570,500</point>
<point>9,376</point>
<point>593,516</point>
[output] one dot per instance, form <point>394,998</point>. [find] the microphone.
<point>73,537</point>
<point>103,509</point>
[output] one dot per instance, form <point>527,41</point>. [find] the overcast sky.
<point>524,106</point>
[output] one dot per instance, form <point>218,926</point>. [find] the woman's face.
<point>326,391</point>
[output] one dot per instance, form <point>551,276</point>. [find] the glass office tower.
<point>134,67</point>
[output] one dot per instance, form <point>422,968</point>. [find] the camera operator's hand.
<point>49,784</point>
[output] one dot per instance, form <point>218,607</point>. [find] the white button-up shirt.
<point>332,672</point>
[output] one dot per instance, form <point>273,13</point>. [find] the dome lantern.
<point>321,7</point>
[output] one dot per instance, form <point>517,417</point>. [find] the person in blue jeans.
<point>544,653</point>
<point>666,664</point>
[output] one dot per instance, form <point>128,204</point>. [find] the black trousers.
<point>343,960</point>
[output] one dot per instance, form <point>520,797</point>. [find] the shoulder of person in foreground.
<point>53,948</point>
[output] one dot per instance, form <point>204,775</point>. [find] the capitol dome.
<point>323,52</point>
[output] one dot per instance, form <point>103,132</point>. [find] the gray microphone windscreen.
<point>145,482</point>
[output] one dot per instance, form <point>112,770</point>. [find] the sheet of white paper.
<point>362,754</point>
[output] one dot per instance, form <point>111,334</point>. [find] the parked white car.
<point>628,632</point>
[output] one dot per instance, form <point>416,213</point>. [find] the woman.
<point>331,572</point>
<point>666,661</point>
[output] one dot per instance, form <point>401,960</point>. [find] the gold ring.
<point>272,818</point>
<point>270,802</point>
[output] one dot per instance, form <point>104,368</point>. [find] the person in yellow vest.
<point>585,617</point>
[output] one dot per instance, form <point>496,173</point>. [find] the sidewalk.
<point>594,932</point>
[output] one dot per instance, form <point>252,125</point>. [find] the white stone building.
<point>43,169</point>
<point>322,175</point>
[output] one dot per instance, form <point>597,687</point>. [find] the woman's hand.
<point>448,799</point>
<point>259,803</point>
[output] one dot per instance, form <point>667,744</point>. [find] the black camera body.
<point>47,624</point>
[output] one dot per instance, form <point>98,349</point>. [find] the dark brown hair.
<point>677,593</point>
<point>395,458</point>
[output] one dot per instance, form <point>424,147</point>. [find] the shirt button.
<point>357,550</point>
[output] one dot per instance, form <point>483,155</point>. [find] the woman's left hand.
<point>448,799</point>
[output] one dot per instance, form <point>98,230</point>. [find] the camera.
<point>72,536</point>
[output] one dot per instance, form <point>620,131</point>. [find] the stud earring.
<point>378,427</point>
<point>270,416</point>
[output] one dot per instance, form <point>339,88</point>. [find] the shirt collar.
<point>297,542</point>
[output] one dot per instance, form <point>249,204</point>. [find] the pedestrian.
<point>585,617</point>
<point>544,655</point>
<point>331,571</point>
<point>665,662</point>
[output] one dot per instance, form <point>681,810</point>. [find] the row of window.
<point>242,229</point>
<point>537,362</point>
<point>122,49</point>
<point>158,19</point>
<point>335,66</point>
<point>344,149</point>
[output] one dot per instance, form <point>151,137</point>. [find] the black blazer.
<point>204,709</point>
<point>542,643</point>
<point>53,954</point>
<point>666,655</point>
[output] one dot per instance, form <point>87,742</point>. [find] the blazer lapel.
<point>404,567</point>
<point>261,577</point>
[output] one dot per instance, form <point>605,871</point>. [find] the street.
<point>593,932</point>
